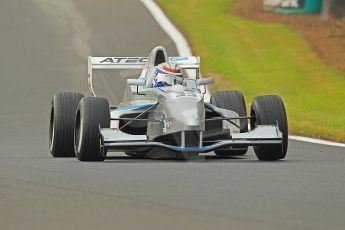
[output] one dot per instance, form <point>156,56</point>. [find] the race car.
<point>165,112</point>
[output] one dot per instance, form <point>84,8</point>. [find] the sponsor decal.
<point>185,94</point>
<point>294,4</point>
<point>169,124</point>
<point>124,60</point>
<point>178,59</point>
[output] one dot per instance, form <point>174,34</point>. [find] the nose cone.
<point>187,111</point>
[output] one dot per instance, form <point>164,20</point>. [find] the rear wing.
<point>138,62</point>
<point>134,63</point>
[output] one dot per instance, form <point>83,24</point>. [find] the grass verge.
<point>264,58</point>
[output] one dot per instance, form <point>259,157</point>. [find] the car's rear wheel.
<point>270,110</point>
<point>232,100</point>
<point>62,118</point>
<point>93,114</point>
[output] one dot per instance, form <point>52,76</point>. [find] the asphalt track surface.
<point>43,49</point>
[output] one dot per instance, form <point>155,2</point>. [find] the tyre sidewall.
<point>61,127</point>
<point>91,116</point>
<point>220,99</point>
<point>265,114</point>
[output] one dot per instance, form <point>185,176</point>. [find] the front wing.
<point>115,140</point>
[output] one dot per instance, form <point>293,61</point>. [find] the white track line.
<point>184,50</point>
<point>316,141</point>
<point>168,27</point>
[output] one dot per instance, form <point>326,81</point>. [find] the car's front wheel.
<point>270,110</point>
<point>93,114</point>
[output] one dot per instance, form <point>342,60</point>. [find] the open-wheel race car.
<point>164,113</point>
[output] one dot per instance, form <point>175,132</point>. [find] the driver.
<point>167,74</point>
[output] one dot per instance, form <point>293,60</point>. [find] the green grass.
<point>264,58</point>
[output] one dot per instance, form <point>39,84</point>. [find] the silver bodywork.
<point>168,117</point>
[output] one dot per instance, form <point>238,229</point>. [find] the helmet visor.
<point>169,79</point>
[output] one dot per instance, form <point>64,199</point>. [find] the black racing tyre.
<point>93,113</point>
<point>62,119</point>
<point>270,110</point>
<point>232,100</point>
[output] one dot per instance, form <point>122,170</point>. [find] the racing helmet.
<point>167,74</point>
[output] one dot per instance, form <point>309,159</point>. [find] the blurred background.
<point>293,48</point>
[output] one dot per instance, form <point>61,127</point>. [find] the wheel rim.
<point>51,130</point>
<point>102,151</point>
<point>78,133</point>
<point>253,119</point>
